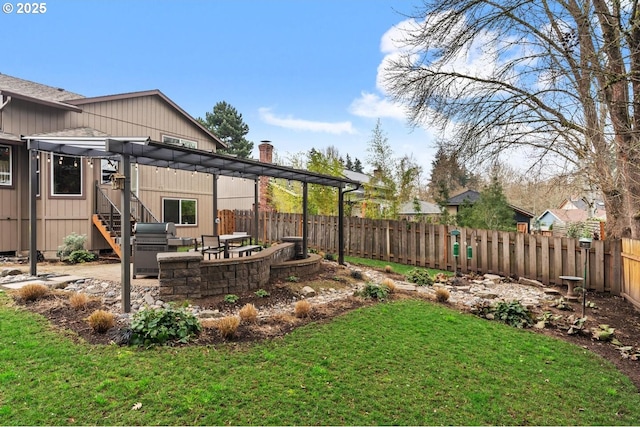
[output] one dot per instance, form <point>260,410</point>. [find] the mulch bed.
<point>611,310</point>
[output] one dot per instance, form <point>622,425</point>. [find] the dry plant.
<point>227,326</point>
<point>389,283</point>
<point>285,318</point>
<point>209,323</point>
<point>442,294</point>
<point>302,309</point>
<point>78,301</point>
<point>388,269</point>
<point>32,291</point>
<point>101,321</point>
<point>248,313</point>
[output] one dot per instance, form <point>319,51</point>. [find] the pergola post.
<point>340,226</point>
<point>216,221</point>
<point>33,221</point>
<point>125,242</point>
<point>256,210</point>
<point>305,220</point>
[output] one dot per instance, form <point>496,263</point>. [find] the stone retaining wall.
<point>185,275</point>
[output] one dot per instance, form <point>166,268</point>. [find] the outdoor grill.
<point>150,239</point>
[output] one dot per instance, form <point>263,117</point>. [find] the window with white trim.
<point>66,176</point>
<point>6,165</point>
<point>180,211</point>
<point>180,142</point>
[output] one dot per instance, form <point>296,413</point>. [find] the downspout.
<point>341,223</point>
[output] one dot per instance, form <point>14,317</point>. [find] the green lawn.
<point>397,268</point>
<point>405,362</point>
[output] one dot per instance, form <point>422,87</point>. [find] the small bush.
<point>388,269</point>
<point>261,293</point>
<point>71,243</point>
<point>101,321</point>
<point>420,276</point>
<point>78,301</point>
<point>357,274</point>
<point>292,279</point>
<point>248,313</point>
<point>513,314</point>
<point>373,291</point>
<point>302,309</point>
<point>329,256</point>
<point>285,318</point>
<point>160,326</point>
<point>231,298</point>
<point>32,291</point>
<point>228,326</point>
<point>442,294</point>
<point>81,256</point>
<point>390,284</point>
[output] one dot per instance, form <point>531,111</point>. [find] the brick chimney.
<point>266,156</point>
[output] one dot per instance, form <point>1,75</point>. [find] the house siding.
<point>57,217</point>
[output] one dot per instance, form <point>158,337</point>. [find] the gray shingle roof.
<point>73,133</point>
<point>35,90</point>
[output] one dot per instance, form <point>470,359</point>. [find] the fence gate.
<point>227,223</point>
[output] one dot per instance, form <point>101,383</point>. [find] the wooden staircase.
<point>108,218</point>
<point>109,235</point>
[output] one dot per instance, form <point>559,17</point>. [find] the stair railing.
<point>107,210</point>
<point>139,211</point>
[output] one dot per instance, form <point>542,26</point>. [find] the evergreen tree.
<point>490,212</point>
<point>357,166</point>
<point>226,123</point>
<point>348,164</point>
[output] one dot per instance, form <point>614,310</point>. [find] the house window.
<point>66,176</point>
<point>5,165</point>
<point>179,211</point>
<point>107,169</point>
<point>179,142</point>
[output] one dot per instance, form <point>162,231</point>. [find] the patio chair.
<point>211,246</point>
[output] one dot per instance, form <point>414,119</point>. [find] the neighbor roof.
<point>426,208</point>
<point>470,195</point>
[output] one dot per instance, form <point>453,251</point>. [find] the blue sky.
<point>302,73</point>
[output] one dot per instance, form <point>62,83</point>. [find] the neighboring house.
<point>421,209</point>
<point>358,199</point>
<point>68,187</point>
<point>521,216</point>
<point>572,210</point>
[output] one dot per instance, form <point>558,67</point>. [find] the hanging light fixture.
<point>60,160</point>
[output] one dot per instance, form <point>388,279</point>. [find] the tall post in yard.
<point>585,244</point>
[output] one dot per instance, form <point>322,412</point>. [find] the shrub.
<point>302,309</point>
<point>261,293</point>
<point>292,279</point>
<point>390,284</point>
<point>329,256</point>
<point>373,291</point>
<point>231,298</point>
<point>159,326</point>
<point>101,321</point>
<point>442,294</point>
<point>285,318</point>
<point>72,242</point>
<point>420,276</point>
<point>248,313</point>
<point>78,301</point>
<point>512,313</point>
<point>357,274</point>
<point>32,291</point>
<point>227,326</point>
<point>388,269</point>
<point>81,256</point>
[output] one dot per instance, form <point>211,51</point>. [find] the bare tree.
<point>559,79</point>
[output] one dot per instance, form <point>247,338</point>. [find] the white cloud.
<point>289,122</point>
<point>372,105</point>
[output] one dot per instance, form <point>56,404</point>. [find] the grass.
<point>397,268</point>
<point>406,362</point>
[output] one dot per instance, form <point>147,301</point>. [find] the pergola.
<point>144,151</point>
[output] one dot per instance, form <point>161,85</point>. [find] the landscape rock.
<point>10,272</point>
<point>530,282</point>
<point>493,277</point>
<point>307,292</point>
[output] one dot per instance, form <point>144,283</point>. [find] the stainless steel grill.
<point>150,239</point>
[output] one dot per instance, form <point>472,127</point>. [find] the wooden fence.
<point>631,271</point>
<point>543,258</point>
